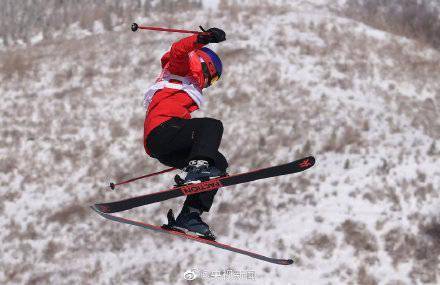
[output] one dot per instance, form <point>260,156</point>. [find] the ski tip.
<point>306,162</point>
<point>282,261</point>
<point>96,208</point>
<point>311,158</point>
<point>101,208</point>
<point>93,207</point>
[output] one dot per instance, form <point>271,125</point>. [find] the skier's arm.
<point>179,59</point>
<point>179,53</point>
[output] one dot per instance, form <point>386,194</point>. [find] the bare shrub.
<point>63,77</point>
<point>115,240</point>
<point>14,63</point>
<point>49,16</point>
<point>30,233</point>
<point>364,278</point>
<point>288,188</point>
<point>224,208</point>
<point>350,136</point>
<point>307,148</point>
<point>413,19</point>
<point>50,250</point>
<point>230,56</point>
<point>117,130</point>
<point>399,245</point>
<point>432,230</point>
<point>14,272</point>
<point>426,252</point>
<point>145,276</point>
<point>396,282</point>
<point>41,278</point>
<point>423,192</point>
<point>357,235</point>
<point>136,121</point>
<point>90,73</point>
<point>16,232</point>
<point>8,165</point>
<point>95,272</point>
<point>403,246</point>
<point>323,243</point>
<point>221,225</point>
<point>247,226</point>
<point>432,149</point>
<point>391,195</point>
<point>184,5</point>
<point>428,118</point>
<point>347,164</point>
<point>332,142</point>
<point>233,9</point>
<point>97,13</point>
<point>68,214</point>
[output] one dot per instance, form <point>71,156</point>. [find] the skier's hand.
<point>215,35</point>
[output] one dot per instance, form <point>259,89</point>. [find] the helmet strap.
<point>206,74</point>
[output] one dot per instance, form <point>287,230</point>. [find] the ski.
<point>273,171</point>
<point>174,232</point>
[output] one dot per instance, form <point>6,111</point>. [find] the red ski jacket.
<point>168,103</point>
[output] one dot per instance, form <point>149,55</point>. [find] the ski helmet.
<point>211,65</point>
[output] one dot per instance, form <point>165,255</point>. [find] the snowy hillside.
<point>299,79</point>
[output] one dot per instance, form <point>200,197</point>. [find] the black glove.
<point>215,35</point>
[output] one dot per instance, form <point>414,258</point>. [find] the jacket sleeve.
<point>178,56</point>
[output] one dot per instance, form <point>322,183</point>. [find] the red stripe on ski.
<point>201,187</point>
<point>194,237</point>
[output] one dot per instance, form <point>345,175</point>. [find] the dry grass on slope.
<point>22,20</point>
<point>414,19</point>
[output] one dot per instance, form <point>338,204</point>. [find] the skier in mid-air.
<point>172,136</point>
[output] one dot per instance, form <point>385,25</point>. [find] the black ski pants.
<point>177,141</point>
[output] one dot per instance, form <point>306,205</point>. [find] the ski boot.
<point>189,221</point>
<point>198,171</point>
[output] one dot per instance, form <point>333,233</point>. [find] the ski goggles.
<point>209,72</point>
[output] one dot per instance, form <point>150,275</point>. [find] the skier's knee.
<point>215,124</point>
<point>219,125</point>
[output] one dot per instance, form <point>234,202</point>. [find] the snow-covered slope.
<point>298,80</point>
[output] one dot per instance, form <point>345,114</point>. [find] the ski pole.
<point>135,27</point>
<point>113,185</point>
